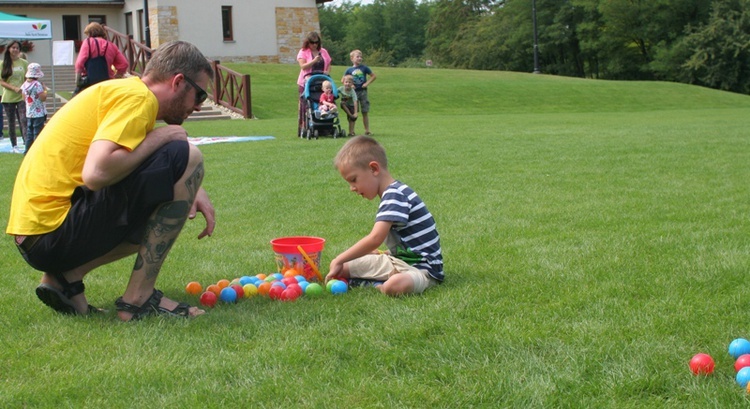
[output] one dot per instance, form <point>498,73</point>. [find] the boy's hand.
<point>334,270</point>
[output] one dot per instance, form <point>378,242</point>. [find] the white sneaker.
<point>16,150</point>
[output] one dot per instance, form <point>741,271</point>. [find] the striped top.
<point>413,237</point>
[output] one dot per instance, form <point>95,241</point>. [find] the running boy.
<point>414,260</point>
<point>359,73</point>
<point>349,101</point>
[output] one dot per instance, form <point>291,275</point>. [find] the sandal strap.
<point>70,289</point>
<point>151,306</point>
<point>181,310</point>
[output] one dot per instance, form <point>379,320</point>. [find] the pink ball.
<point>741,362</point>
<point>702,364</point>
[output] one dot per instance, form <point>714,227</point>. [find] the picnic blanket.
<point>203,140</point>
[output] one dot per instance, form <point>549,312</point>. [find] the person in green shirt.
<point>12,76</point>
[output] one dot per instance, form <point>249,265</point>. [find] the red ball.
<point>741,362</point>
<point>275,292</point>
<point>208,299</point>
<point>239,290</point>
<point>296,288</point>
<point>702,364</point>
<point>289,281</point>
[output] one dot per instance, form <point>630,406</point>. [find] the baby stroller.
<point>313,124</point>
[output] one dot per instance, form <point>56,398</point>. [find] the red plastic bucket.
<point>288,255</point>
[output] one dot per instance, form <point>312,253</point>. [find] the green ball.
<point>330,284</point>
<point>314,289</point>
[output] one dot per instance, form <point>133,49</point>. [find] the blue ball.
<point>228,295</point>
<point>743,376</point>
<point>739,346</point>
<point>303,285</point>
<point>245,280</point>
<point>339,287</point>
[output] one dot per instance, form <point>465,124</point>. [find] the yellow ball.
<point>250,290</point>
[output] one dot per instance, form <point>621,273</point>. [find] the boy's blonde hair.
<point>359,152</point>
<point>326,84</point>
<point>354,52</point>
<point>347,77</point>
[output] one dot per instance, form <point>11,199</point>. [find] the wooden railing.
<point>229,89</point>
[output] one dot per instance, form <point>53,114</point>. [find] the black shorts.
<point>99,221</point>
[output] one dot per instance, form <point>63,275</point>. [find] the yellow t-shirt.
<point>122,111</point>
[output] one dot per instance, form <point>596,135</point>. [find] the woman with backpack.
<point>97,57</point>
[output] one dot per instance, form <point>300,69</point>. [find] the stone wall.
<point>164,25</point>
<point>292,25</point>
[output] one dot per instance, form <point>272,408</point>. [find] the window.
<point>226,23</point>
<point>129,23</point>
<point>72,30</point>
<point>141,26</point>
<point>98,18</point>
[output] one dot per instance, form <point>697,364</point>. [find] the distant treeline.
<point>703,42</point>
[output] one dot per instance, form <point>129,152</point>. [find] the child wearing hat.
<point>35,94</point>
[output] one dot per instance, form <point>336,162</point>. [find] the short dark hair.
<point>177,57</point>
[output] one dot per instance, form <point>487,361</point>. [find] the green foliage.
<point>595,235</point>
<point>670,40</point>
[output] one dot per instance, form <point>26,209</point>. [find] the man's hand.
<point>203,204</point>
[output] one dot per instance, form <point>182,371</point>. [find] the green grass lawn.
<point>595,236</point>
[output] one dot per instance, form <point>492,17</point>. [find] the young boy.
<point>349,101</point>
<point>359,73</point>
<point>414,261</point>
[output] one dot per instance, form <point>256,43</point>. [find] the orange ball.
<point>214,289</point>
<point>261,276</point>
<point>223,283</point>
<point>290,273</point>
<point>194,288</point>
<point>263,288</point>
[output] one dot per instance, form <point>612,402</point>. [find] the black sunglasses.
<point>200,93</point>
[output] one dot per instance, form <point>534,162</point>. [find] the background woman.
<point>312,57</point>
<point>12,76</point>
<point>97,36</point>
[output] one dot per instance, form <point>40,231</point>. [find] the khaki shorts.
<point>380,267</point>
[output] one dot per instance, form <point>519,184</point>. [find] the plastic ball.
<point>250,290</point>
<point>263,288</point>
<point>743,377</point>
<point>194,288</point>
<point>224,283</point>
<point>739,346</point>
<point>290,273</point>
<point>228,295</point>
<point>244,280</point>
<point>303,285</point>
<point>290,294</point>
<point>275,292</point>
<point>300,278</point>
<point>277,276</point>
<point>339,287</point>
<point>208,299</point>
<point>329,284</point>
<point>289,280</point>
<point>214,289</point>
<point>314,289</point>
<point>238,289</point>
<point>261,276</point>
<point>741,362</point>
<point>702,364</point>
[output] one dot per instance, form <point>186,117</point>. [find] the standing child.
<point>349,101</point>
<point>414,260</point>
<point>35,94</point>
<point>359,73</point>
<point>326,105</point>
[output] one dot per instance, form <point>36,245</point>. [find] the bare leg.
<point>366,122</point>
<point>163,228</point>
<point>397,284</point>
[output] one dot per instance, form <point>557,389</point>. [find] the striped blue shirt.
<point>413,237</point>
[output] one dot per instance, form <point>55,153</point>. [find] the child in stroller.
<point>327,104</point>
<point>319,118</point>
